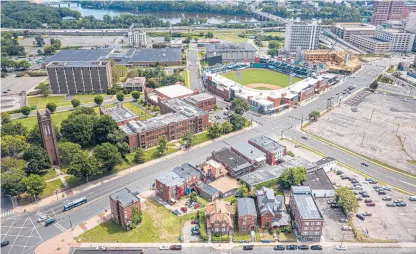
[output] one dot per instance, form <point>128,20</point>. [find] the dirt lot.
<point>83,41</point>
<point>383,128</point>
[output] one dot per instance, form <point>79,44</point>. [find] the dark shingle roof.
<point>156,55</point>
<point>208,189</point>
<point>246,206</point>
<point>186,170</point>
<point>125,197</point>
<point>318,180</point>
<point>231,159</point>
<point>79,55</point>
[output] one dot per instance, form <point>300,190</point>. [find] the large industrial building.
<point>232,52</point>
<point>301,37</point>
<point>345,30</point>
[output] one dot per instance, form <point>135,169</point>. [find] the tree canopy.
<point>37,159</point>
<point>346,198</point>
<point>107,156</point>
<point>35,184</point>
<point>79,129</point>
<point>239,105</point>
<point>292,176</point>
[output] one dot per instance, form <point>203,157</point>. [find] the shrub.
<point>37,73</point>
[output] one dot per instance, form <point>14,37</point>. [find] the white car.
<point>42,218</point>
<point>164,247</point>
<point>101,248</point>
<point>340,247</point>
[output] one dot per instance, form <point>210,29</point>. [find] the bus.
<point>75,203</point>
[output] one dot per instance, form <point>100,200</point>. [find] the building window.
<point>307,223</point>
<point>243,228</point>
<point>318,223</point>
<point>244,223</point>
<point>305,232</point>
<point>223,229</point>
<point>317,228</point>
<point>305,228</point>
<point>317,233</point>
<point>312,223</point>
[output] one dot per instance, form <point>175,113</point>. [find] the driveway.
<point>187,235</point>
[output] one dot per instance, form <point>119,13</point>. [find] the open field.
<point>230,36</point>
<point>83,41</point>
<point>261,77</point>
<point>185,75</point>
<point>383,128</point>
<point>60,100</point>
<point>158,225</point>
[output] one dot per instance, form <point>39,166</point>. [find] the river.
<point>172,17</point>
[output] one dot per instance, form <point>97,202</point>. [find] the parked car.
<point>412,198</point>
<point>368,200</point>
<point>360,216</point>
<point>346,228</point>
<point>369,179</point>
<point>176,212</point>
<point>4,243</point>
<point>343,220</point>
<point>184,209</point>
<point>316,247</point>
<point>359,198</point>
<point>187,202</point>
<point>401,204</point>
<point>387,188</point>
<point>279,247</point>
<point>175,247</point>
<point>339,172</point>
<point>381,192</point>
<point>367,213</point>
<point>248,247</point>
<point>305,137</point>
<point>291,247</point>
<point>340,247</point>
<point>398,200</point>
<point>373,182</point>
<point>164,247</point>
<point>391,204</point>
<point>335,206</point>
<point>330,202</point>
<point>386,198</point>
<point>344,177</point>
<point>195,228</point>
<point>195,232</point>
<point>303,247</point>
<point>194,221</point>
<point>365,195</point>
<point>101,248</point>
<point>364,164</point>
<point>371,204</point>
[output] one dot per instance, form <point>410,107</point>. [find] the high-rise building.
<point>387,10</point>
<point>303,36</point>
<point>47,133</point>
<point>411,23</point>
<point>345,30</point>
<point>137,37</point>
<point>400,41</point>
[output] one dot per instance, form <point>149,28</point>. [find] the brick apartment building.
<point>161,94</point>
<point>236,165</point>
<point>250,153</point>
<point>220,217</point>
<point>204,101</point>
<point>272,209</point>
<point>122,203</point>
<point>247,215</point>
<point>308,219</point>
<point>212,170</point>
<point>173,185</point>
<point>386,10</point>
<point>273,150</point>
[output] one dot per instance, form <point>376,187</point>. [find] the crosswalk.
<point>7,213</point>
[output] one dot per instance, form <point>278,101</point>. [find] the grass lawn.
<point>51,187</point>
<point>150,154</point>
<point>185,75</point>
<point>158,225</point>
<point>201,138</point>
<point>230,36</point>
<point>263,76</point>
<point>286,236</point>
<point>60,100</point>
<point>49,174</point>
<point>137,110</point>
<point>241,237</point>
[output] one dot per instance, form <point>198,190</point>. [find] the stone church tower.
<point>48,136</point>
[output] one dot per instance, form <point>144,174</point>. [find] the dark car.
<point>248,247</point>
<point>291,247</point>
<point>382,192</point>
<point>195,232</point>
<point>279,247</point>
<point>360,216</point>
<point>401,204</point>
<point>49,221</point>
<point>4,243</point>
<point>304,137</point>
<point>386,198</point>
<point>371,204</point>
<point>316,247</point>
<point>175,247</point>
<point>194,221</point>
<point>364,164</point>
<point>335,206</point>
<point>303,247</point>
<point>368,200</point>
<point>359,198</point>
<point>330,202</point>
<point>365,195</point>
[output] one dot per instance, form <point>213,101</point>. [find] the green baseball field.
<point>262,79</point>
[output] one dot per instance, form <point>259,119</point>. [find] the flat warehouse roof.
<point>156,55</point>
<point>175,91</point>
<point>79,55</point>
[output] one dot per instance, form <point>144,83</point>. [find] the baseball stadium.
<point>269,86</point>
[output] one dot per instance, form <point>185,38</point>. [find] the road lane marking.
<point>407,183</point>
<point>16,237</point>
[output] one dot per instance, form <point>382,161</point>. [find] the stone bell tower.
<point>48,136</point>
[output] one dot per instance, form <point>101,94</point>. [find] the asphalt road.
<point>193,67</point>
<point>141,180</point>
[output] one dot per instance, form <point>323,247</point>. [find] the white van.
<point>412,198</point>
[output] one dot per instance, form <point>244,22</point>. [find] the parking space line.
<point>36,229</point>
<point>59,226</point>
<point>8,230</point>
<point>16,238</point>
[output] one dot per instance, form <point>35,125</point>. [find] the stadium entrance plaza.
<point>383,128</point>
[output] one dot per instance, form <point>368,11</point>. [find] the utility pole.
<point>301,119</point>
<point>362,140</point>
<point>397,130</point>
<point>281,133</point>
<point>372,112</point>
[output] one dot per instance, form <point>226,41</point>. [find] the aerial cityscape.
<point>206,126</point>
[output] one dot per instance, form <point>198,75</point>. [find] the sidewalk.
<point>106,179</point>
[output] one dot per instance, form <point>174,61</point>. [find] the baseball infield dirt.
<point>271,87</point>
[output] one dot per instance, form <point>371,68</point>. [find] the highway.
<point>272,126</point>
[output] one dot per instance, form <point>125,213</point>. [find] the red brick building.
<point>273,150</point>
<point>220,217</point>
<point>308,222</point>
<point>161,94</point>
<point>173,185</point>
<point>272,209</point>
<point>247,215</point>
<point>122,204</point>
<point>203,101</point>
<point>120,114</point>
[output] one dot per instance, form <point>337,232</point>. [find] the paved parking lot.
<point>22,235</point>
<point>187,235</point>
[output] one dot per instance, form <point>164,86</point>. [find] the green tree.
<point>374,85</point>
<point>37,159</point>
<point>56,43</point>
<point>292,176</point>
<point>314,115</point>
<point>227,127</point>
<point>11,163</point>
<point>12,145</point>
<point>40,42</point>
<point>99,99</point>
<point>25,110</point>
<point>49,50</point>
<point>120,97</point>
<point>75,102</point>
<point>104,126</point>
<point>193,196</point>
<point>139,156</point>
<point>82,111</point>
<point>215,130</point>
<point>346,198</point>
<point>272,52</point>
<point>83,165</point>
<point>135,95</point>
<point>123,148</point>
<point>51,106</point>
<point>162,146</point>
<point>118,71</point>
<point>188,138</point>
<point>209,35</point>
<point>243,190</point>
<point>67,152</point>
<point>13,129</point>
<point>237,121</point>
<point>35,185</point>
<point>274,45</point>
<point>239,106</point>
<point>116,136</point>
<point>79,129</point>
<point>23,65</point>
<point>107,156</point>
<point>5,118</point>
<point>136,217</point>
<point>12,182</point>
<point>44,89</point>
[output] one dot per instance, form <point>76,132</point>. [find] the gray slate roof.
<point>318,180</point>
<point>248,150</point>
<point>246,206</point>
<point>307,207</point>
<point>231,159</point>
<point>156,55</point>
<point>79,55</point>
<point>125,197</point>
<point>208,189</point>
<point>186,171</point>
<point>268,203</point>
<point>267,144</point>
